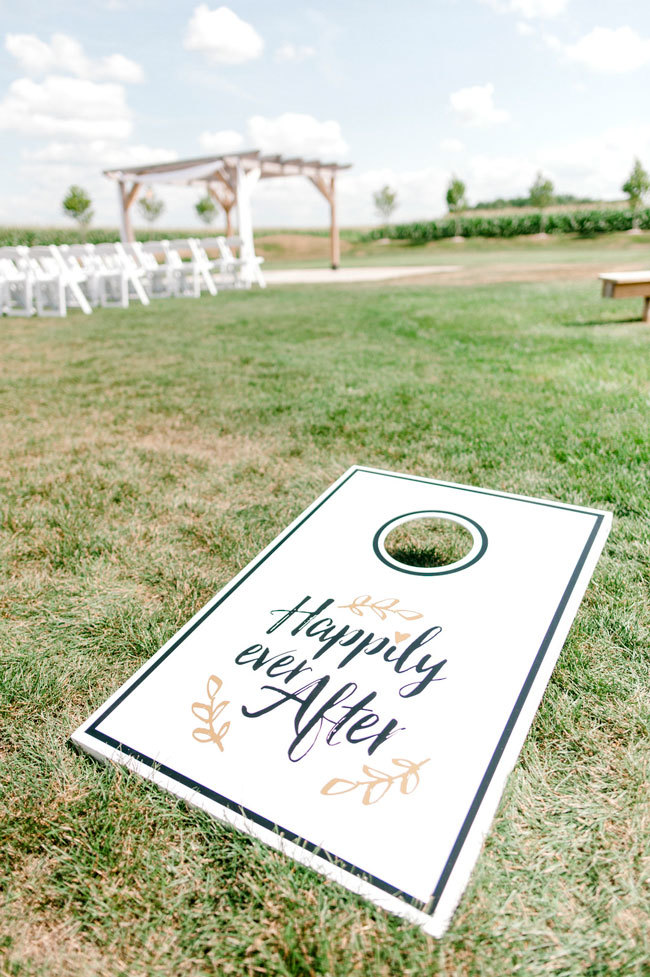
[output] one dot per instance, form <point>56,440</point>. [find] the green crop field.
<point>604,252</point>
<point>147,454</point>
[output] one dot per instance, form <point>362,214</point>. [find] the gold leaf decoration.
<point>207,712</point>
<point>381,608</point>
<point>379,783</point>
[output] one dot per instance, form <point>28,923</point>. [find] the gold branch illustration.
<point>382,608</point>
<point>207,712</point>
<point>378,782</point>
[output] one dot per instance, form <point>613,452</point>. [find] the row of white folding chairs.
<point>47,279</point>
<point>38,280</point>
<point>230,267</point>
<point>187,265</point>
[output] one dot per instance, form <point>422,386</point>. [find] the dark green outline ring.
<point>433,571</point>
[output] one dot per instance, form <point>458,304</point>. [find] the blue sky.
<point>493,90</point>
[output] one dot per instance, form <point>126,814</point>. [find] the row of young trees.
<point>78,205</point>
<point>540,195</point>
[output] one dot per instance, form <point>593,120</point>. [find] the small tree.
<point>540,194</point>
<point>150,206</point>
<point>206,209</point>
<point>636,186</point>
<point>78,205</point>
<point>385,201</point>
<point>456,200</point>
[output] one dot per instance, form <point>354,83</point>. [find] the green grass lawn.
<point>610,251</point>
<point>146,455</point>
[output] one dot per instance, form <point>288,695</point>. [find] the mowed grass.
<point>147,455</point>
<point>604,252</point>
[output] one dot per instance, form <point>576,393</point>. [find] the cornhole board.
<point>356,713</point>
<point>626,284</point>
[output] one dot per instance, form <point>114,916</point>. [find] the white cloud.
<point>553,42</point>
<point>524,28</point>
<point>99,152</point>
<point>294,52</point>
<point>530,9</point>
<point>224,141</point>
<point>69,107</point>
<point>119,68</point>
<point>222,36</point>
<point>420,193</point>
<point>595,167</point>
<point>65,54</point>
<point>291,134</point>
<point>475,106</point>
<point>82,123</point>
<point>499,176</point>
<point>610,50</point>
<point>538,8</point>
<point>451,145</point>
<point>295,134</point>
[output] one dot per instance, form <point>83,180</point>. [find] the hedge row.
<point>586,223</point>
<point>14,236</point>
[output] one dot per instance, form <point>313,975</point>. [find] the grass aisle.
<point>146,455</point>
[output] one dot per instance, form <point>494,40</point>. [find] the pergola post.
<point>124,228</point>
<point>126,198</point>
<point>335,244</point>
<point>246,181</point>
<point>328,189</point>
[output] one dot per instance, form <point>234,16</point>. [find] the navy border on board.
<point>430,906</point>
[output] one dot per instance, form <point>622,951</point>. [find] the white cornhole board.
<point>360,715</point>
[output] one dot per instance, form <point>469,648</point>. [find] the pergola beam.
<point>228,180</point>
<point>226,199</point>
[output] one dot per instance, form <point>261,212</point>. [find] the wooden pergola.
<point>230,180</point>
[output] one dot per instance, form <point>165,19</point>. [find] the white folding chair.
<point>49,290</point>
<point>231,267</point>
<point>254,262</point>
<point>16,283</point>
<point>75,267</point>
<point>186,274</point>
<point>55,284</point>
<point>74,278</point>
<point>203,263</point>
<point>106,280</point>
<point>156,276</point>
<point>226,264</point>
<point>114,256</point>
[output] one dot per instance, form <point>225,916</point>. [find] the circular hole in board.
<point>430,543</point>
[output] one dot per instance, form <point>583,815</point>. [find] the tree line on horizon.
<point>77,203</point>
<point>541,195</point>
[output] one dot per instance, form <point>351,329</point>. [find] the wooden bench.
<point>627,284</point>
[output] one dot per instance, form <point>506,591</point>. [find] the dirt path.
<point>494,274</point>
<point>354,273</point>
